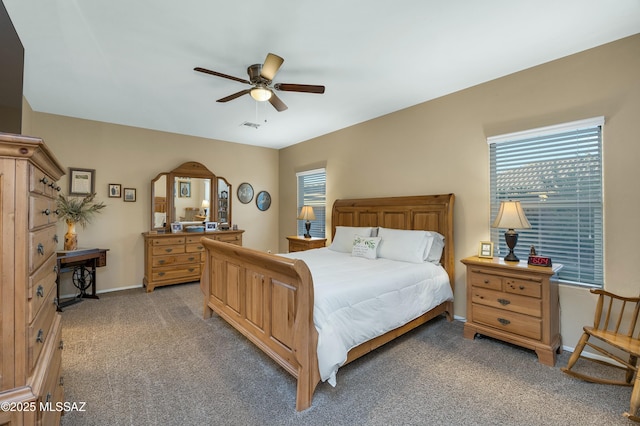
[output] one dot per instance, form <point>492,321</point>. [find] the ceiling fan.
<point>261,78</point>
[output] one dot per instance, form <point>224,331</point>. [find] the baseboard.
<point>68,296</point>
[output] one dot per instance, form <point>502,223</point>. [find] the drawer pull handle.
<point>161,261</point>
<point>161,274</point>
<point>191,269</point>
<point>192,258</point>
<point>39,337</point>
<point>44,180</point>
<point>40,291</point>
<point>58,188</point>
<point>46,212</point>
<point>55,238</point>
<point>486,281</point>
<point>48,398</point>
<point>168,250</point>
<point>504,302</point>
<point>55,268</point>
<point>521,287</point>
<point>504,321</point>
<point>61,345</point>
<point>40,248</point>
<point>57,211</point>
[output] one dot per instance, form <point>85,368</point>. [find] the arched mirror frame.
<point>217,187</point>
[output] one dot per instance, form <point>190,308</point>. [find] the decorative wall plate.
<point>263,200</point>
<point>245,193</point>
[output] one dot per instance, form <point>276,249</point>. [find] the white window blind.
<point>312,189</point>
<point>556,174</point>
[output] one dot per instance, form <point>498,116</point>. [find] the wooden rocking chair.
<point>615,323</point>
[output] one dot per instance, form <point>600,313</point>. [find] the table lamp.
<point>205,207</point>
<point>306,213</point>
<point>511,216</point>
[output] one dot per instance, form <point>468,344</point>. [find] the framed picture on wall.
<point>81,181</point>
<point>130,194</point>
<point>115,190</point>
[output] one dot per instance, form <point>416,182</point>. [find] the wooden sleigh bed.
<point>270,298</point>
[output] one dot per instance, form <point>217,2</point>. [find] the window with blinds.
<point>312,189</point>
<point>556,174</point>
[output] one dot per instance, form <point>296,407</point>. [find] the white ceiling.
<point>131,62</point>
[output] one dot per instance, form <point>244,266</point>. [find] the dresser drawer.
<point>53,389</point>
<point>40,285</point>
<point>178,259</point>
<point>194,247</point>
<point>164,250</point>
<point>227,238</point>
<point>485,280</point>
<point>167,241</point>
<point>42,244</point>
<point>41,183</point>
<point>506,301</point>
<point>41,211</point>
<point>39,329</point>
<point>190,271</point>
<point>510,322</point>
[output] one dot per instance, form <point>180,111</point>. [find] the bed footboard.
<point>269,299</point>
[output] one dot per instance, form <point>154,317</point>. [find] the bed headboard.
<point>422,212</point>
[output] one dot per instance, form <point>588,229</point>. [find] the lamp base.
<point>308,226</point>
<point>511,238</point>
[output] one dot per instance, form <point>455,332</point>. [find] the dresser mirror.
<point>190,194</point>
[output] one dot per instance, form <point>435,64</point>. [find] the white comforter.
<point>357,299</point>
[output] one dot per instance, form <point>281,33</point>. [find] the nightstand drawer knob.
<point>504,321</point>
<point>504,302</point>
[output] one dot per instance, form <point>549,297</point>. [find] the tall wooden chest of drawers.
<point>30,327</point>
<point>514,302</point>
<point>178,257</point>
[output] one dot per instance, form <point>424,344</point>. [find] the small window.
<point>312,189</point>
<point>556,174</point>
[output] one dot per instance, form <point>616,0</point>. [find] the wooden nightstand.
<point>516,303</point>
<point>298,243</point>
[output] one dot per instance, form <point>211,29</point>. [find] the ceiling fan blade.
<point>277,103</point>
<point>271,66</point>
<point>235,95</point>
<point>306,88</point>
<point>219,74</point>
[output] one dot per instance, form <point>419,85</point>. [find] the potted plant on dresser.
<point>75,210</point>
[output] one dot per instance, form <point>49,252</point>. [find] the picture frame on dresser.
<point>81,181</point>
<point>176,227</point>
<point>485,250</point>
<point>210,226</point>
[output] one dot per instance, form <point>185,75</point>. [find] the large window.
<point>556,174</point>
<point>312,189</point>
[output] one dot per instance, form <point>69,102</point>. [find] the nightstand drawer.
<point>531,287</point>
<point>479,279</point>
<point>510,322</point>
<point>509,302</point>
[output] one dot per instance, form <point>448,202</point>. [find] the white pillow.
<point>343,240</point>
<point>435,252</point>
<point>366,247</point>
<point>403,245</point>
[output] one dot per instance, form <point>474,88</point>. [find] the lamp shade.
<point>205,204</point>
<point>306,213</point>
<point>511,216</point>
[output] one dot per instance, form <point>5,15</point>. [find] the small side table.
<point>299,243</point>
<point>516,303</point>
<point>83,264</point>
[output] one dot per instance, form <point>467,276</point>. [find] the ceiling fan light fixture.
<point>261,94</point>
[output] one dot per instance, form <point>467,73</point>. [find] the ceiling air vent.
<point>250,124</point>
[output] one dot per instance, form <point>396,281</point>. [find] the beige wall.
<point>132,157</point>
<point>440,147</point>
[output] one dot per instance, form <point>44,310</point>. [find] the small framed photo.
<point>81,181</point>
<point>210,226</point>
<point>130,194</point>
<point>184,189</point>
<point>176,227</point>
<point>485,249</point>
<point>115,190</point>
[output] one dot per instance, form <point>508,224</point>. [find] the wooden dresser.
<point>514,302</point>
<point>298,243</point>
<point>31,329</point>
<point>173,258</point>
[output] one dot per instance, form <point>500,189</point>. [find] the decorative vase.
<point>71,238</point>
